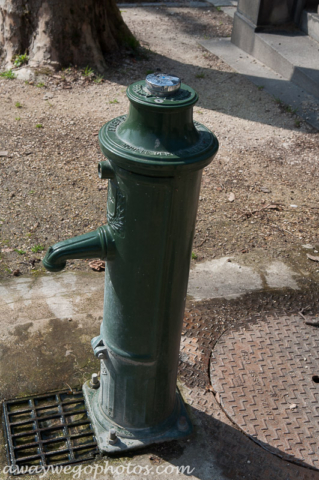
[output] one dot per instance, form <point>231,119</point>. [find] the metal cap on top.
<point>162,85</point>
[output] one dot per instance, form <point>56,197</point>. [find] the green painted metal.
<point>159,136</point>
<point>156,155</point>
<point>90,245</point>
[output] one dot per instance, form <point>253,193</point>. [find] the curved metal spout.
<point>90,245</point>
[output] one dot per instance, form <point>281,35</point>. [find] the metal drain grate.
<point>48,430</point>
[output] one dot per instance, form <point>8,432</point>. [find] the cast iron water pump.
<point>156,155</point>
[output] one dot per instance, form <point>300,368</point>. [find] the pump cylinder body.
<point>145,290</point>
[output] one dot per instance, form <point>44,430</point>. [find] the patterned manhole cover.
<point>266,379</point>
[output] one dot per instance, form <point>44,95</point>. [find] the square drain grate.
<point>48,430</point>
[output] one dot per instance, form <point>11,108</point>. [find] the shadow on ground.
<point>228,92</point>
<point>220,89</point>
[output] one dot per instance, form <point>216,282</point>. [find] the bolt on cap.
<point>162,85</point>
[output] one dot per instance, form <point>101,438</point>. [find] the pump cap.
<point>162,85</point>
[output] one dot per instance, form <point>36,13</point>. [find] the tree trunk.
<point>62,32</point>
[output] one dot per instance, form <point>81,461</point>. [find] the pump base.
<point>178,425</point>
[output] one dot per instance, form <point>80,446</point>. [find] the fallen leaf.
<point>231,197</point>
<point>274,206</point>
<point>97,265</point>
<point>209,388</point>
<point>311,257</point>
<point>155,459</point>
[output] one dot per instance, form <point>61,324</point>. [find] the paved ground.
<point>47,323</point>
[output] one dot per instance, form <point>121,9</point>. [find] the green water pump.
<point>155,158</point>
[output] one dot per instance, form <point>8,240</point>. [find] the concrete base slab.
<point>47,323</point>
<point>222,278</point>
<point>306,105</point>
<point>225,278</point>
<point>62,296</point>
<point>71,296</point>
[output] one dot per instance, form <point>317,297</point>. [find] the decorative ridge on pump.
<point>155,158</point>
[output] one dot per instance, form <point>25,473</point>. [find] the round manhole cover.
<point>266,378</point>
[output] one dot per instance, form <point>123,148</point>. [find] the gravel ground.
<point>259,196</point>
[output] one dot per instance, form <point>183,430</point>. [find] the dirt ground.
<point>259,195</point>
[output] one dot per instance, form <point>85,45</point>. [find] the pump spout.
<point>90,245</point>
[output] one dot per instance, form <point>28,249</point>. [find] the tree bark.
<point>62,32</point>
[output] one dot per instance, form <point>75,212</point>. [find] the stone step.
<point>309,24</point>
<point>294,55</point>
<point>306,105</point>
